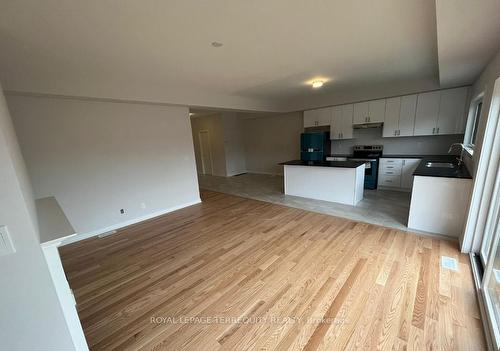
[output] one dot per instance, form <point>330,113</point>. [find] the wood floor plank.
<point>239,274</point>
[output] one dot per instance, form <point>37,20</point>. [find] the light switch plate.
<point>6,245</point>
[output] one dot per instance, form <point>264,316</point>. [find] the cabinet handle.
<point>399,131</point>
<point>395,132</point>
<point>433,130</point>
<point>437,132</point>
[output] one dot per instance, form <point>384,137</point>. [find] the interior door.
<point>205,152</point>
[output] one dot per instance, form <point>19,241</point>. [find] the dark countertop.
<point>413,156</point>
<point>457,172</point>
<point>393,156</point>
<point>338,164</point>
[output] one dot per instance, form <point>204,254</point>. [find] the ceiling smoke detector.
<point>216,44</point>
<point>317,84</point>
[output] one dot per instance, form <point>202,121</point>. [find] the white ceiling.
<point>161,50</point>
<point>468,33</point>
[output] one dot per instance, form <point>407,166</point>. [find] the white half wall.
<point>30,315</point>
<point>100,157</point>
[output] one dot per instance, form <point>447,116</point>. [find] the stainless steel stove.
<point>370,154</point>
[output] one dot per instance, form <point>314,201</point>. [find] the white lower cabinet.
<point>397,173</point>
<point>439,205</point>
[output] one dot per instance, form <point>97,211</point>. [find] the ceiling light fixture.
<point>216,44</point>
<point>317,84</point>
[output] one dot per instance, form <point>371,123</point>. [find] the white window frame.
<point>471,123</point>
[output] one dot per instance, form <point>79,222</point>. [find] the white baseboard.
<point>266,173</point>
<point>120,225</point>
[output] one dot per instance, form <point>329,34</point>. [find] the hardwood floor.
<point>237,274</point>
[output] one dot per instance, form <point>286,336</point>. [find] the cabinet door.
<point>347,115</point>
<point>409,166</point>
<point>360,112</point>
<point>391,120</point>
<point>337,123</point>
<point>427,113</point>
<point>451,110</point>
<point>310,118</point>
<point>376,111</point>
<point>324,116</point>
<point>407,115</point>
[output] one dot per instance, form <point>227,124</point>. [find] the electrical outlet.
<point>143,205</point>
<point>6,245</point>
<point>122,211</point>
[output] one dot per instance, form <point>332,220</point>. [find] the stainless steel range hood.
<point>368,125</point>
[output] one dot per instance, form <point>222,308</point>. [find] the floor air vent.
<point>449,263</point>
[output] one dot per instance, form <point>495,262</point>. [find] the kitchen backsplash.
<point>422,145</point>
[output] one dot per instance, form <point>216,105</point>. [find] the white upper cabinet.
<point>369,111</point>
<point>337,124</point>
<point>427,113</point>
<point>376,111</point>
<point>451,118</point>
<point>400,116</point>
<point>407,115</point>
<point>360,112</point>
<point>347,115</point>
<point>318,117</point>
<point>391,122</point>
<point>341,127</point>
<point>441,112</point>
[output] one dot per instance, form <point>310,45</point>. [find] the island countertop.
<point>456,172</point>
<point>338,164</point>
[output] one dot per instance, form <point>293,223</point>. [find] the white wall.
<point>234,144</point>
<point>417,145</point>
<point>484,83</point>
<point>270,140</point>
<point>99,157</point>
<point>30,315</point>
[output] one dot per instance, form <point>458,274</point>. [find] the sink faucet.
<point>460,159</point>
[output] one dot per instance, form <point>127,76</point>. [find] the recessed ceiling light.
<point>317,84</point>
<point>216,44</point>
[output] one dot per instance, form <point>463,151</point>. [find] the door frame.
<point>485,177</point>
<point>203,165</point>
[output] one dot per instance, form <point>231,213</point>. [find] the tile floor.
<point>382,207</point>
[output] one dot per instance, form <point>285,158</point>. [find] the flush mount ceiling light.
<point>216,44</point>
<point>317,84</point>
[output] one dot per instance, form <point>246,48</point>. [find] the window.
<point>473,124</point>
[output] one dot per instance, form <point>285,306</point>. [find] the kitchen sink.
<point>440,165</point>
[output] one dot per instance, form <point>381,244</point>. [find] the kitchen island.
<point>334,181</point>
<point>440,196</point>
